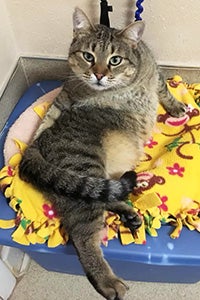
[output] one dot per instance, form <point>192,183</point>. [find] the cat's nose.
<point>99,76</point>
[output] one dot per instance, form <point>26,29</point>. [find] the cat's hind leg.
<point>86,239</point>
<point>127,214</point>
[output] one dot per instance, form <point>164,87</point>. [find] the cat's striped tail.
<point>49,178</point>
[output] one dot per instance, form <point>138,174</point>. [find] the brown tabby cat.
<point>93,133</point>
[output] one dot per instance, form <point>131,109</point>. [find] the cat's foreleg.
<point>52,114</point>
<point>86,239</point>
<point>61,103</point>
<point>170,104</point>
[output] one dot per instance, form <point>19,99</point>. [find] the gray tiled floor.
<point>39,284</point>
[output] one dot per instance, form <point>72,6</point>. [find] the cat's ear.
<point>133,32</point>
<point>81,21</point>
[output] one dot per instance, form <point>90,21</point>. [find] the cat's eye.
<point>88,56</point>
<point>115,60</point>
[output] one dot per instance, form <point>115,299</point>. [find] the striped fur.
<point>94,133</point>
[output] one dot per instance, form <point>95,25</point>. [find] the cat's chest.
<point>122,152</point>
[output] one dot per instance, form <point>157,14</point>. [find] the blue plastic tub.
<point>160,260</point>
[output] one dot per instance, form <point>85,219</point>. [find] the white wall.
<point>8,50</point>
<point>44,28</point>
<point>173,30</point>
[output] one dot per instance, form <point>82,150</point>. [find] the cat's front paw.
<point>178,109</point>
<point>112,288</point>
<point>131,220</point>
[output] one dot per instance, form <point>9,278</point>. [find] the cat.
<point>83,154</point>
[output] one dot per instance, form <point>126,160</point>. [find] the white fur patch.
<point>98,84</point>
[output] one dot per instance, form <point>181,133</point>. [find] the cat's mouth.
<point>98,84</point>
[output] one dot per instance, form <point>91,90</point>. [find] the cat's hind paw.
<point>131,220</point>
<point>113,288</point>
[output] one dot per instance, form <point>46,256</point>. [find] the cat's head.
<point>104,57</point>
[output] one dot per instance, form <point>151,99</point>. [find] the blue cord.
<point>139,10</point>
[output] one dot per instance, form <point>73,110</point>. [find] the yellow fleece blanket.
<point>167,184</point>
